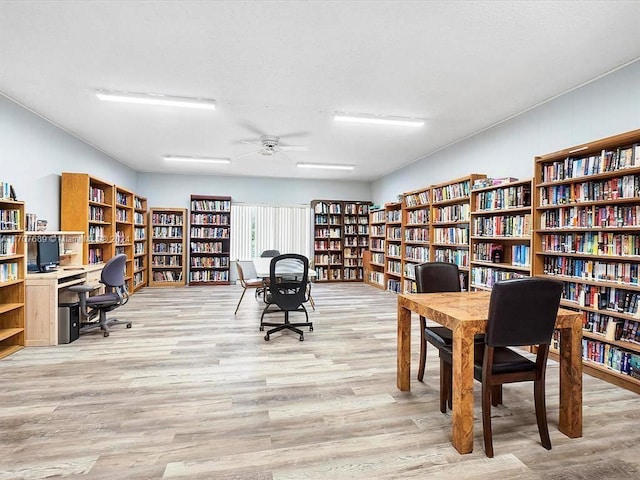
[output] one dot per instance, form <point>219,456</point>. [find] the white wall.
<point>605,107</point>
<point>164,190</point>
<point>33,154</point>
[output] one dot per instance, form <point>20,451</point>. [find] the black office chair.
<point>269,253</point>
<point>287,290</point>
<point>522,312</point>
<point>115,296</point>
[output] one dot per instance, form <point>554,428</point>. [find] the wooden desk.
<point>466,314</point>
<point>44,292</point>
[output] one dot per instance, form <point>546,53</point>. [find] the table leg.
<point>462,421</point>
<point>571,380</point>
<point>404,349</point>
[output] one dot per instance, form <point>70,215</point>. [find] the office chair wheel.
<point>266,337</point>
<point>106,334</point>
<point>311,328</point>
<point>302,338</point>
<point>261,328</point>
<point>128,325</point>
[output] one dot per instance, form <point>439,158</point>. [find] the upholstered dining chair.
<point>246,284</point>
<point>522,312</point>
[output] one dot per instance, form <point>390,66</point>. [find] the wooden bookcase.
<point>356,239</point>
<point>377,224</point>
<point>210,240</point>
<point>587,234</point>
<point>167,232</point>
<point>393,249</point>
<point>416,206</point>
<point>124,209</point>
<point>328,239</point>
<point>12,274</point>
<point>500,232</point>
<point>140,243</point>
<point>450,219</point>
<point>88,206</point>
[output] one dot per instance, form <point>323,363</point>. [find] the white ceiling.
<point>283,68</point>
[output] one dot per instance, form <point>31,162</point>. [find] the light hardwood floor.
<point>192,391</point>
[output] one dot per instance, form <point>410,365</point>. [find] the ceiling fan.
<point>269,145</point>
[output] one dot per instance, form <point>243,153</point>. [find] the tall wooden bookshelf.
<point>500,232</point>
<point>328,239</point>
<point>377,224</point>
<point>450,219</point>
<point>88,206</point>
<point>416,212</point>
<point>167,233</point>
<point>209,240</point>
<point>356,239</point>
<point>393,248</point>
<point>12,274</point>
<point>587,234</point>
<point>124,210</point>
<point>140,243</point>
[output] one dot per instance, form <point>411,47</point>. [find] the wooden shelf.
<point>167,230</point>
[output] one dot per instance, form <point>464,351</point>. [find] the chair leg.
<point>240,301</point>
<point>496,395</point>
<point>445,384</point>
<point>486,419</point>
<point>541,413</point>
<point>423,350</point>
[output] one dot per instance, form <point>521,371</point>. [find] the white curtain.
<point>255,228</point>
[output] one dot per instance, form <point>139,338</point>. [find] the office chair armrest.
<point>80,288</point>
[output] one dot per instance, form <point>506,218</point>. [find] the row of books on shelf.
<point>96,214</point>
<point>393,285</point>
<point>502,226</point>
<point>327,219</point>
<point>488,276</point>
<point>452,255</point>
<point>166,261</point>
<point>394,233</point>
<point>122,199</point>
<point>97,234</point>
<point>327,245</point>
<point>10,220</point>
<point>211,205</point>
<point>610,216</point>
<point>122,216</point>
<point>415,199</point>
<point>167,247</point>
<point>451,235</point>
<point>612,357</point>
<point>627,186</point>
<point>138,279</point>
<point>452,191</point>
<point>394,266</point>
<point>603,298</point>
<point>592,270</point>
<point>593,243</point>
<point>419,254</point>
<point>606,161</point>
<point>8,245</point>
<point>167,232</point>
<point>209,219</point>
<point>326,273</point>
<point>139,233</point>
<point>167,276</point>
<point>494,252</point>
<point>418,217</point>
<point>9,272</point>
<point>95,255</point>
<point>210,262</point>
<point>350,219</point>
<point>138,218</point>
<point>207,247</point>
<point>323,207</point>
<point>352,273</point>
<point>356,229</point>
<point>167,219</point>
<point>378,216</point>
<point>516,196</point>
<point>452,213</point>
<point>394,216</point>
<point>209,232</point>
<point>356,242</point>
<point>356,209</point>
<point>492,182</point>
<point>377,278</point>
<point>322,232</point>
<point>138,248</point>
<point>5,191</point>
<point>209,276</point>
<point>416,234</point>
<point>393,250</point>
<point>96,195</point>
<point>325,259</point>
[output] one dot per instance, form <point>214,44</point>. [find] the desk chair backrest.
<point>436,277</point>
<point>288,279</point>
<point>240,274</point>
<point>523,312</point>
<point>113,271</point>
<point>269,253</point>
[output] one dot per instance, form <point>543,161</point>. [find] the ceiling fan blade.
<point>251,143</point>
<point>295,134</point>
<point>247,126</point>
<point>294,148</point>
<point>247,153</point>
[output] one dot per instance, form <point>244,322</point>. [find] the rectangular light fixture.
<point>156,99</point>
<point>378,119</point>
<point>186,159</point>
<point>328,166</point>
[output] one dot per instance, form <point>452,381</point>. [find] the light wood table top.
<point>465,313</point>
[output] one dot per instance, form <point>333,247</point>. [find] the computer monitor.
<point>48,253</point>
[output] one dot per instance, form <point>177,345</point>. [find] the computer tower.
<point>68,322</point>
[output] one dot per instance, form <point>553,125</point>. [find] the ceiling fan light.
<point>378,119</point>
<point>187,159</point>
<point>156,99</point>
<point>328,166</point>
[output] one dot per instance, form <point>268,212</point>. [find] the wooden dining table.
<point>465,313</point>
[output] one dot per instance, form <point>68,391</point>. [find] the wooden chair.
<point>522,312</point>
<point>246,284</point>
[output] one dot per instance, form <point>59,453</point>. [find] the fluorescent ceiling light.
<point>329,166</point>
<point>156,99</point>
<point>185,159</point>
<point>378,119</point>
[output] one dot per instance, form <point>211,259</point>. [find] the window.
<point>255,228</point>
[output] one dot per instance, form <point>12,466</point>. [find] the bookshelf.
<point>328,240</point>
<point>124,210</point>
<point>88,205</point>
<point>140,244</point>
<point>377,223</point>
<point>12,276</point>
<point>209,240</point>
<point>416,213</point>
<point>587,234</point>
<point>167,249</point>
<point>450,220</point>
<point>500,231</point>
<point>356,240</point>
<point>393,248</point>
